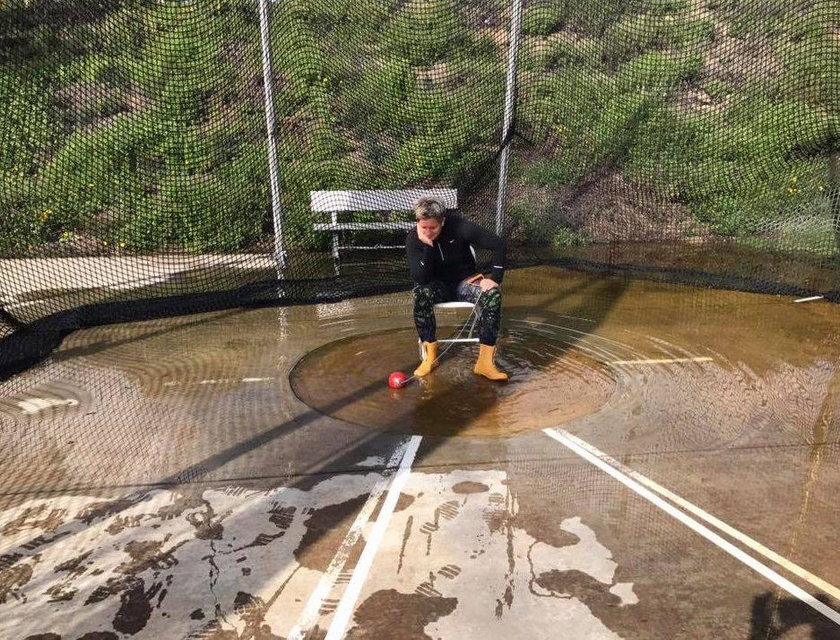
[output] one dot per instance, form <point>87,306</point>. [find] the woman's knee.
<point>424,291</point>
<point>491,300</point>
<point>424,296</point>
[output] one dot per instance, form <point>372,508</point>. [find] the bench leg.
<point>335,253</point>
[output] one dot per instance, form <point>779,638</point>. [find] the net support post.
<point>834,195</point>
<point>270,120</point>
<point>510,109</point>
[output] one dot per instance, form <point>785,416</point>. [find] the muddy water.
<point>713,365</point>
<point>552,382</point>
<point>644,366</point>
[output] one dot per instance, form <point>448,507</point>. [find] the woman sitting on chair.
<point>443,268</point>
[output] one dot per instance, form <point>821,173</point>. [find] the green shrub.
<point>375,99</point>
<point>636,34</point>
<point>18,221</point>
<point>558,52</point>
<point>442,138</point>
<point>532,220</point>
<point>424,33</point>
<point>667,145</point>
<point>810,68</point>
<point>656,73</point>
<point>768,19</point>
<point>566,237</point>
<point>562,169</point>
<point>598,128</point>
<point>29,121</point>
<point>614,132</point>
<point>663,7</point>
<point>545,17</point>
<point>594,17</point>
<point>764,130</point>
<point>221,212</point>
<point>94,171</point>
<point>717,89</point>
<point>563,108</point>
<point>143,122</point>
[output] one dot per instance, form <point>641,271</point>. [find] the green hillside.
<point>138,125</point>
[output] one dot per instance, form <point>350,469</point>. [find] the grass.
<point>143,124</point>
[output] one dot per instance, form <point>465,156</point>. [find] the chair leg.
<point>335,245</point>
<point>474,322</point>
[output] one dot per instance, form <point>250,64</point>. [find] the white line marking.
<point>36,405</point>
<point>743,538</point>
<point>175,383</point>
<point>609,466</point>
<point>351,594</point>
<point>663,360</point>
<point>810,299</point>
<point>331,575</point>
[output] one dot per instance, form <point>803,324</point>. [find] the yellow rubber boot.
<point>429,360</point>
<point>484,366</point>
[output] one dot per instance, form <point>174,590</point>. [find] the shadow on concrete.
<point>603,294</point>
<point>774,616</point>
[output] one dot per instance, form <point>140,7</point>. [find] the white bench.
<point>336,202</point>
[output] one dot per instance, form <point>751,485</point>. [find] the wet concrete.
<point>343,379</point>
<point>160,469</point>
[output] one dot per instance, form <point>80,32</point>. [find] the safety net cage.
<point>159,157</point>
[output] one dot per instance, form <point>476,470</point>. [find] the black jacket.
<point>450,259</point>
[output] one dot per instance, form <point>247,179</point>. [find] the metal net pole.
<point>510,108</point>
<point>274,173</point>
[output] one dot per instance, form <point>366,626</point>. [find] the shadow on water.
<point>773,617</point>
<point>603,294</point>
<point>97,347</point>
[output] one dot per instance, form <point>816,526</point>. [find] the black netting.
<point>695,139</point>
<point>665,138</point>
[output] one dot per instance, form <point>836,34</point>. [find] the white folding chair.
<point>455,305</point>
<point>470,334</point>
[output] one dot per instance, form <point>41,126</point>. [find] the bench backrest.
<point>334,202</point>
<point>331,201</point>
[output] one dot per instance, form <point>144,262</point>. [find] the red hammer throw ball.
<point>397,380</point>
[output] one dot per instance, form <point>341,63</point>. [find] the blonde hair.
<point>429,208</point>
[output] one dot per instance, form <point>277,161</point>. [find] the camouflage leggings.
<point>488,306</point>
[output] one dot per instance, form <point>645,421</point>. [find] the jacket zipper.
<point>442,259</point>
